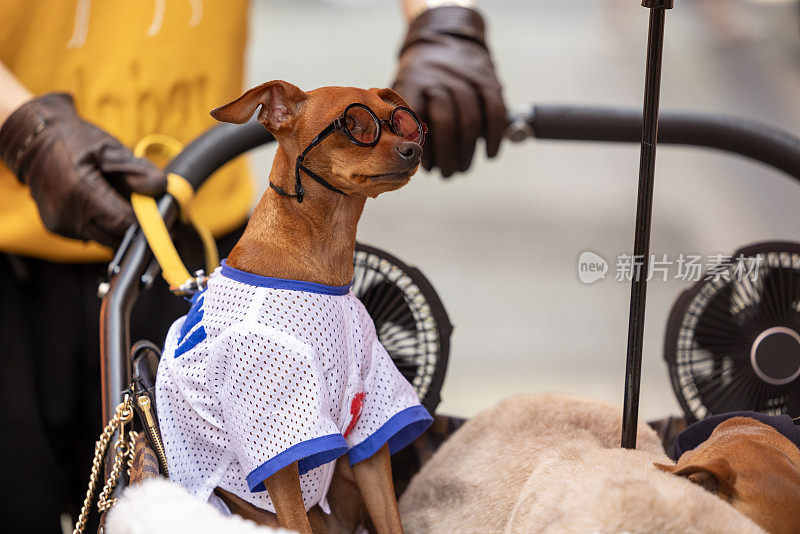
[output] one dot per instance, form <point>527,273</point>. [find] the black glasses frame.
<point>339,124</point>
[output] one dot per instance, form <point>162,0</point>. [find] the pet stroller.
<point>714,366</point>
<point>411,320</point>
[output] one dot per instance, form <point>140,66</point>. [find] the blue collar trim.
<point>282,283</point>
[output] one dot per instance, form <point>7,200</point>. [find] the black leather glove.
<point>447,76</point>
<point>79,175</point>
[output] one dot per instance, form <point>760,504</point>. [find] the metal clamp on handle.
<point>657,4</point>
<point>519,125</point>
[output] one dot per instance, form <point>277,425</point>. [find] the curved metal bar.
<point>121,292</point>
<point>754,140</point>
<point>215,148</point>
<point>196,162</point>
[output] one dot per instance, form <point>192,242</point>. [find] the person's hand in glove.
<point>80,176</point>
<point>447,76</point>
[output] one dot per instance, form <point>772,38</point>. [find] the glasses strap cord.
<point>299,190</point>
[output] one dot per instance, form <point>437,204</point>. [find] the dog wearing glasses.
<point>275,398</point>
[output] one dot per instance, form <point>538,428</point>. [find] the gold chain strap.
<point>123,450</point>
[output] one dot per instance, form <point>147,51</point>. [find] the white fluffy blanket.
<point>158,506</point>
<point>549,463</point>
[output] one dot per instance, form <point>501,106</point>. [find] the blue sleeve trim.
<point>399,431</point>
<point>194,316</point>
<point>191,341</point>
<point>281,283</point>
<point>308,455</point>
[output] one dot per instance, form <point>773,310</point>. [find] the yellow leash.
<point>155,231</point>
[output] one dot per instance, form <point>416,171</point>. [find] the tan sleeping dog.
<point>551,463</point>
<point>753,467</point>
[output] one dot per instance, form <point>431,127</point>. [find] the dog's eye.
<point>361,125</point>
<point>356,127</point>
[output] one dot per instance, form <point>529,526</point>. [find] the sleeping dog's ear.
<point>279,103</point>
<point>715,475</point>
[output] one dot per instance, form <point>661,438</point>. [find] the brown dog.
<point>304,228</point>
<point>753,467</point>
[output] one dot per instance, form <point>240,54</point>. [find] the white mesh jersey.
<point>265,372</point>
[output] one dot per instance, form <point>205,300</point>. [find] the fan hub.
<point>775,355</point>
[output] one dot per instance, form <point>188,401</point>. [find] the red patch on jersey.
<point>355,411</point>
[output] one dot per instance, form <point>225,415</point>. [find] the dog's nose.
<point>409,151</point>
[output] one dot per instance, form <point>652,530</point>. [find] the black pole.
<point>644,211</point>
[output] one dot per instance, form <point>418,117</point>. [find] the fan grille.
<point>410,320</point>
<point>714,334</point>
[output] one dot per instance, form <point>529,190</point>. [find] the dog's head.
<point>753,467</point>
<point>296,117</point>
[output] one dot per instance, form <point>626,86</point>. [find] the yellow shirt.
<point>135,67</point>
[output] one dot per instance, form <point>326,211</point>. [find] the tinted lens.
<point>361,125</point>
<point>407,126</point>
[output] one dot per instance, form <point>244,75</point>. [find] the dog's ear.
<point>666,467</point>
<point>390,97</point>
<point>715,475</point>
<point>279,103</point>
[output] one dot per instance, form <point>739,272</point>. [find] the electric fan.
<point>410,320</point>
<point>733,339</point>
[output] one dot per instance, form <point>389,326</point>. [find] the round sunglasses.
<point>363,127</point>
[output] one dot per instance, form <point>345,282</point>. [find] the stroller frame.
<point>133,268</point>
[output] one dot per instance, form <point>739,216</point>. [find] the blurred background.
<point>501,243</point>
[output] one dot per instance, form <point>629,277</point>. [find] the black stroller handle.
<point>133,268</point>
<point>215,148</point>
<point>754,140</point>
<point>772,146</point>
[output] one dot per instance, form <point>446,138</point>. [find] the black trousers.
<point>50,380</point>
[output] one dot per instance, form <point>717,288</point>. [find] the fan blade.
<point>779,293</point>
<point>750,396</point>
<point>717,330</point>
<point>367,291</point>
<point>385,298</point>
<point>725,392</point>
